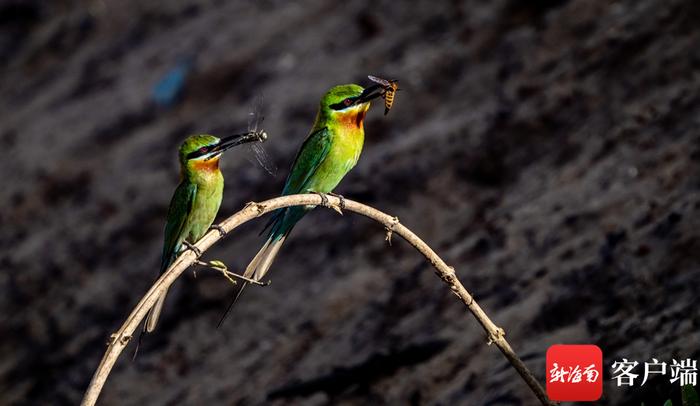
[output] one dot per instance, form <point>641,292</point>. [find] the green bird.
<point>196,200</point>
<point>329,152</point>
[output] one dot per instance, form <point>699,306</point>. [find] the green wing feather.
<point>178,213</point>
<point>310,156</point>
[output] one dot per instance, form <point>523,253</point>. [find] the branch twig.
<point>120,339</point>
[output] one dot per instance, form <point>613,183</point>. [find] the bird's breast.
<point>345,151</point>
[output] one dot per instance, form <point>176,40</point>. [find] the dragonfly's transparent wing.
<point>255,149</point>
<point>255,116</point>
<point>263,158</point>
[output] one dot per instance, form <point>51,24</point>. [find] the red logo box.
<point>574,373</point>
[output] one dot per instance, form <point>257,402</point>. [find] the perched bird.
<point>196,200</point>
<point>329,152</point>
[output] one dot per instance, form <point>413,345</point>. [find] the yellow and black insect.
<point>390,88</point>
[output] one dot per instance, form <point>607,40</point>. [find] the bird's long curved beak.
<point>370,93</point>
<point>238,139</point>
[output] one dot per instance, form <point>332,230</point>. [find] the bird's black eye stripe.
<point>343,104</point>
<point>199,152</point>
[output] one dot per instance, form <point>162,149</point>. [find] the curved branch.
<point>252,210</point>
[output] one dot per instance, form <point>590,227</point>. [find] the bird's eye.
<point>203,150</point>
<point>348,101</point>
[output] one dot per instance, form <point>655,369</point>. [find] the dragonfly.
<point>255,149</point>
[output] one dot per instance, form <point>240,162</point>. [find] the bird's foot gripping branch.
<point>192,248</point>
<point>218,228</point>
<point>337,207</point>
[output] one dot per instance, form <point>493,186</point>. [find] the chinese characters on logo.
<point>573,374</point>
<point>684,372</point>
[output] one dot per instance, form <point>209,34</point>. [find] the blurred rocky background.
<point>549,150</point>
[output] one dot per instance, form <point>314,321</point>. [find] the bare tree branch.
<point>119,340</point>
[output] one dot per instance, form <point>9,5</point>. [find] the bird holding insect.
<point>196,199</point>
<point>328,153</point>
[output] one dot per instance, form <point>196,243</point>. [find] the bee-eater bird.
<point>196,200</point>
<point>329,152</point>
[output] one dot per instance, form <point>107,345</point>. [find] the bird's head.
<point>203,151</point>
<point>347,104</point>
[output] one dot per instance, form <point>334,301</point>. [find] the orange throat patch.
<point>352,119</point>
<point>211,165</point>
